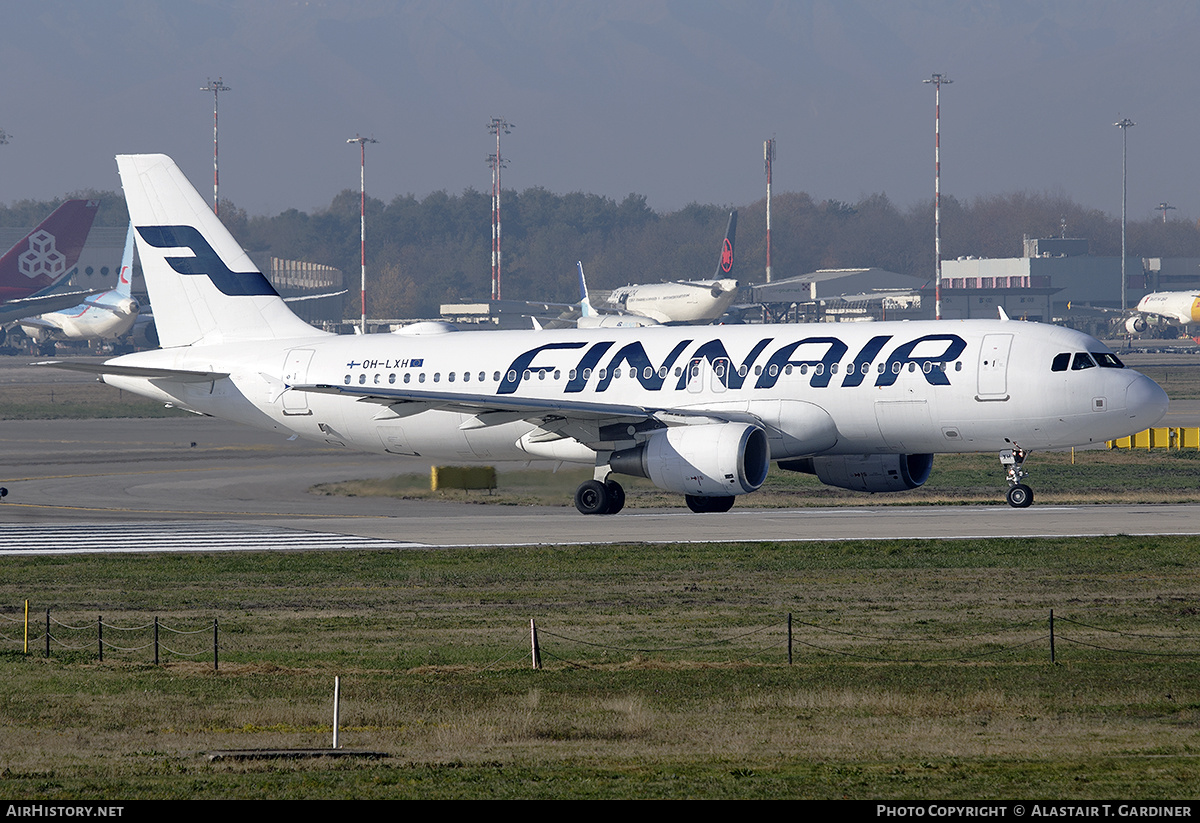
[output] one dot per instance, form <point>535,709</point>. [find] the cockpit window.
<point>1083,360</point>
<point>1061,361</point>
<point>1108,360</point>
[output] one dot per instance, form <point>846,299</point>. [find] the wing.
<point>30,306</point>
<point>601,426</point>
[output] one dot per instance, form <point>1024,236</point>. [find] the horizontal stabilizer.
<point>101,369</point>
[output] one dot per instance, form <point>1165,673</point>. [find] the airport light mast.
<point>938,80</point>
<point>768,158</point>
<point>362,219</point>
<point>1164,208</point>
<point>497,126</point>
<point>216,87</point>
<point>1123,124</point>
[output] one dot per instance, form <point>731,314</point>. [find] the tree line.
<point>422,252</point>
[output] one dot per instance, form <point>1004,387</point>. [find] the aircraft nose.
<point>1145,401</point>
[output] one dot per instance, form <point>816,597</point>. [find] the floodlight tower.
<point>768,158</point>
<point>216,88</point>
<point>497,126</point>
<point>362,219</point>
<point>938,80</point>
<point>1164,208</point>
<point>1123,124</point>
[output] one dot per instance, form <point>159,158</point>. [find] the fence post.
<point>214,644</point>
<point>47,632</point>
<point>156,640</point>
<point>537,653</point>
<point>789,638</point>
<point>100,636</point>
<point>1052,635</point>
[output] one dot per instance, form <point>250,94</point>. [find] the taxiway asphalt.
<point>71,479</point>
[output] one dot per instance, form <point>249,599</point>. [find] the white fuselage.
<point>106,317</point>
<point>1180,306</point>
<point>920,387</point>
<point>702,301</point>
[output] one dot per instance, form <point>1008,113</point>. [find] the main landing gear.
<point>1019,495</point>
<point>599,497</point>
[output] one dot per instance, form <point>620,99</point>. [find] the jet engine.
<point>144,335</point>
<point>866,472</point>
<point>1135,325</point>
<point>704,460</point>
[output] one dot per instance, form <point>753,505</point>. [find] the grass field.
<point>922,670</point>
<point>76,401</point>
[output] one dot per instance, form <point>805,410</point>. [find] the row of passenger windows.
<point>648,372</point>
<point>1080,360</point>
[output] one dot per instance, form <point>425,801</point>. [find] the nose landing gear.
<point>1019,495</point>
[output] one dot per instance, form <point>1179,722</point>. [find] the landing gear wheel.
<point>592,498</point>
<point>702,505</point>
<point>616,496</point>
<point>1020,496</point>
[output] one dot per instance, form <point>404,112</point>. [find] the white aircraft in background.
<point>699,301</point>
<point>1181,306</point>
<point>105,316</point>
<point>701,411</point>
<point>589,318</point>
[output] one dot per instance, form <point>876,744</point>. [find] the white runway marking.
<point>176,538</point>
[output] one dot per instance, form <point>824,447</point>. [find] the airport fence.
<point>773,643</point>
<point>53,634</point>
<point>791,638</point>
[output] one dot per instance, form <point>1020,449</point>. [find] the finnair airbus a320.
<point>701,411</point>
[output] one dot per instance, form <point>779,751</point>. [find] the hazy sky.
<point>667,98</point>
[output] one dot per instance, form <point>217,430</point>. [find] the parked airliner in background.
<point>589,318</point>
<point>701,411</point>
<point>105,316</point>
<point>1180,306</point>
<point>684,301</point>
<point>42,259</point>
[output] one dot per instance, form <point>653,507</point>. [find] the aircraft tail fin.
<point>204,288</point>
<point>125,275</point>
<point>725,262</point>
<point>46,255</point>
<point>585,304</point>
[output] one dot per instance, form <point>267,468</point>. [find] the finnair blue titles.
<point>701,411</point>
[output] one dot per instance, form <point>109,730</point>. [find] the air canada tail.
<point>48,253</point>
<point>725,263</point>
<point>202,285</point>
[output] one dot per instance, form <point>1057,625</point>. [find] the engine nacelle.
<point>705,460</point>
<point>144,334</point>
<point>1135,325</point>
<point>866,472</point>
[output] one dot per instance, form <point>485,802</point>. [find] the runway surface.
<point>197,484</point>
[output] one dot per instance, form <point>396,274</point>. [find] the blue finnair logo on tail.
<point>205,262</point>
